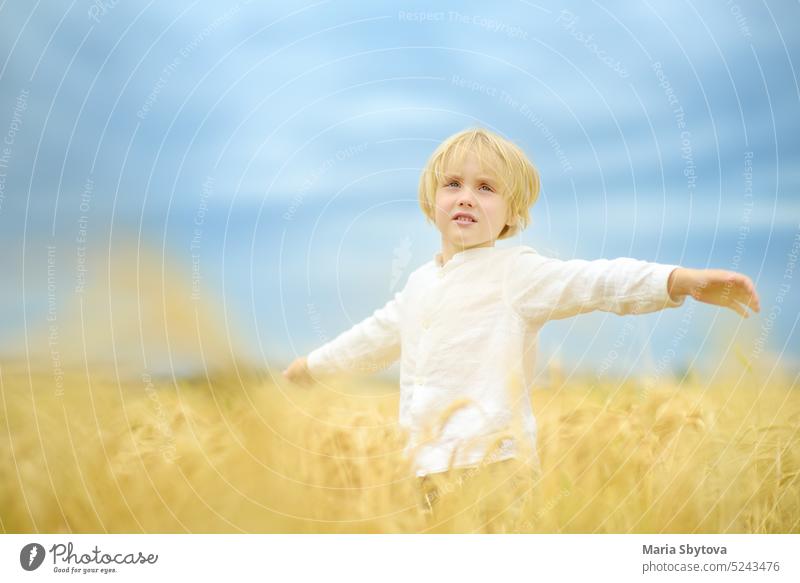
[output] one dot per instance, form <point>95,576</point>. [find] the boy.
<point>465,325</point>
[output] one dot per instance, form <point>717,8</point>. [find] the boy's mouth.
<point>463,218</point>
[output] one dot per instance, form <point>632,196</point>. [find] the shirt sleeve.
<point>369,346</point>
<point>545,288</point>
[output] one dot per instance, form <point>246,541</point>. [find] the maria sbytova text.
<point>683,550</point>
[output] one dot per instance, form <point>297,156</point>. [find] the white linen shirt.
<point>467,335</point>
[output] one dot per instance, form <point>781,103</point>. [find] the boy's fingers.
<point>749,297</point>
<point>755,302</point>
<point>745,292</point>
<point>737,307</point>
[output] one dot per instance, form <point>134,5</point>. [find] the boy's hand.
<point>298,372</point>
<point>715,286</point>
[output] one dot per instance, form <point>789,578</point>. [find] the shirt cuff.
<point>318,364</point>
<point>660,280</point>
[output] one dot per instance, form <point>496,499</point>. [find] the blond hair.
<point>518,177</point>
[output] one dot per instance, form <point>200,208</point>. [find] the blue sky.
<point>312,121</point>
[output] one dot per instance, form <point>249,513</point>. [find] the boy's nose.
<point>467,198</point>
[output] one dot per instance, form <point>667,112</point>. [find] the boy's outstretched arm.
<point>544,288</point>
<point>715,286</point>
<point>369,346</point>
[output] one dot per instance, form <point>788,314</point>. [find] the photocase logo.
<point>31,556</point>
<point>67,560</point>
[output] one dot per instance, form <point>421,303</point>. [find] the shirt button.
<point>440,273</point>
<point>426,324</point>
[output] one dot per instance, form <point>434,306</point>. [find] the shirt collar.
<point>460,256</point>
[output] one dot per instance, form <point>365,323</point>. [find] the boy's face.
<point>475,191</point>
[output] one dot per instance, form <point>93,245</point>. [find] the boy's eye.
<point>456,184</point>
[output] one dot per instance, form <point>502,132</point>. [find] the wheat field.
<point>91,443</point>
<point>244,452</point>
